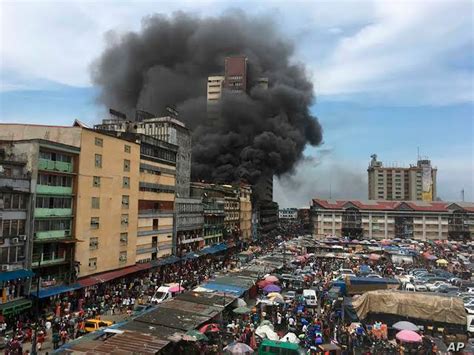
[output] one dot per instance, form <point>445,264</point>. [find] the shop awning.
<point>213,249</point>
<point>169,260</point>
<point>107,276</point>
<point>17,274</point>
<point>190,256</point>
<point>231,289</point>
<point>53,291</point>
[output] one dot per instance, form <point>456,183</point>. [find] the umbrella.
<point>239,302</point>
<point>271,278</point>
<point>267,322</point>
<point>238,348</point>
<point>197,335</point>
<point>404,325</point>
<point>209,328</point>
<point>272,288</point>
<point>442,262</point>
<point>263,283</point>
<point>176,288</point>
<point>274,294</point>
<point>265,331</point>
<point>242,310</point>
<point>374,257</point>
<point>408,336</point>
<point>290,338</point>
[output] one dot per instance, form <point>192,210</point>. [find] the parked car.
<point>289,296</point>
<point>91,325</point>
<point>420,287</point>
<point>433,287</point>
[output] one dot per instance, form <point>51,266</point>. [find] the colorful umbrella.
<point>263,283</point>
<point>209,328</point>
<point>272,288</point>
<point>238,348</point>
<point>404,325</point>
<point>271,278</point>
<point>197,335</point>
<point>442,262</point>
<point>408,336</point>
<point>242,310</point>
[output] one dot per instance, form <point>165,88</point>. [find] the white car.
<point>433,287</point>
<point>420,287</point>
<point>469,304</point>
<point>409,287</point>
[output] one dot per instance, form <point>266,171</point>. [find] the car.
<point>409,287</point>
<point>470,290</point>
<point>420,287</point>
<point>448,289</point>
<point>433,287</point>
<point>91,325</point>
<point>469,304</point>
<point>289,296</point>
<point>374,276</point>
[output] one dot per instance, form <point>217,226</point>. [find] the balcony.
<point>51,165</point>
<point>16,184</point>
<point>53,212</point>
<point>46,259</point>
<point>158,213</point>
<point>54,190</point>
<point>56,234</point>
<point>155,231</point>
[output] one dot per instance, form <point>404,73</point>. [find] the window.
<point>98,161</point>
<point>127,148</point>
<point>96,181</point>
<point>99,142</point>
<point>93,263</point>
<point>124,220</point>
<point>94,243</point>
<point>125,200</point>
<point>126,182</point>
<point>95,202</point>
<point>126,165</point>
<point>94,222</point>
<point>123,238</point>
<point>123,257</point>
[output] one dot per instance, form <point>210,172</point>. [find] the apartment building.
<point>48,224</point>
<point>15,209</point>
<point>393,219</point>
<point>414,183</point>
<point>92,181</point>
<point>189,225</point>
<point>245,213</point>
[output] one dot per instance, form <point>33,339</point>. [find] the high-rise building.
<point>235,74</point>
<point>245,192</point>
<point>417,182</point>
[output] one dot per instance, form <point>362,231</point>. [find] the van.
<point>310,298</point>
<point>163,293</point>
<point>91,325</point>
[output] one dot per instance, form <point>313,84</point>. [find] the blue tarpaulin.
<point>235,290</point>
<point>17,274</point>
<point>170,260</point>
<point>213,249</point>
<point>52,291</point>
<point>190,256</point>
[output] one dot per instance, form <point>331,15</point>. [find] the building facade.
<point>288,213</point>
<point>189,225</point>
<point>415,183</point>
<point>245,214</point>
<point>304,218</point>
<point>15,214</point>
<point>393,219</point>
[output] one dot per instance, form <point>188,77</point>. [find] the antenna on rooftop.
<point>462,195</point>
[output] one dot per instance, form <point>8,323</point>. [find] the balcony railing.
<point>56,234</point>
<point>54,190</point>
<point>46,164</point>
<point>48,258</point>
<point>53,212</point>
<point>153,212</point>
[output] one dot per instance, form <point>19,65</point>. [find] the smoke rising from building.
<point>261,132</point>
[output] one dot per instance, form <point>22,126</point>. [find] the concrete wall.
<point>60,134</point>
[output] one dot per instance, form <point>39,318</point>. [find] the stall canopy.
<point>231,289</point>
<point>53,291</point>
<point>435,308</point>
<point>17,274</point>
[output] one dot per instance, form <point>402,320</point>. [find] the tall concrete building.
<point>416,182</point>
<point>235,73</point>
<point>245,192</point>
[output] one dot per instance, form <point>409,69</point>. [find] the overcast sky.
<point>390,76</point>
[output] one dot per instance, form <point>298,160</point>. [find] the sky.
<point>390,77</point>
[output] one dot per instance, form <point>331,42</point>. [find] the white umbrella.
<point>266,331</point>
<point>239,302</point>
<point>290,338</point>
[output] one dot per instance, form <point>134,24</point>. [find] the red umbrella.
<point>209,328</point>
<point>263,283</point>
<point>408,336</point>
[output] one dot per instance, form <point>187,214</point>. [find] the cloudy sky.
<point>390,77</point>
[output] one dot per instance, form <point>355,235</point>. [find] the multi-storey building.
<point>156,198</point>
<point>213,211</point>
<point>417,182</point>
<point>304,218</point>
<point>267,212</point>
<point>50,224</point>
<point>232,211</point>
<point>90,181</point>
<point>245,213</point>
<point>288,213</point>
<point>15,256</point>
<point>389,219</point>
<point>189,225</point>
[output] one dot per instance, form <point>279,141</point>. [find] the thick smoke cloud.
<point>168,62</point>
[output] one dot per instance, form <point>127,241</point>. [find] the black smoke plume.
<point>168,62</point>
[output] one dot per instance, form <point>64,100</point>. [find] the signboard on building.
<point>427,184</point>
